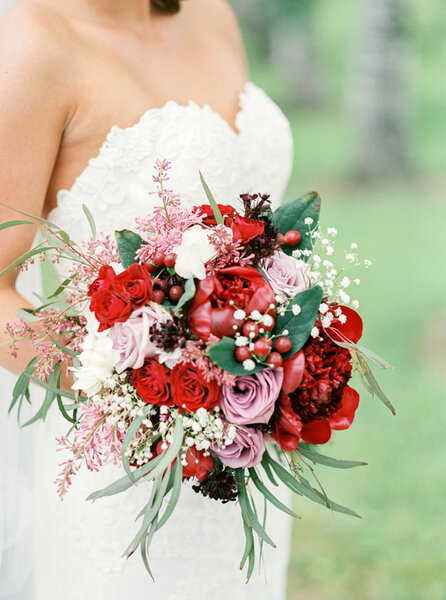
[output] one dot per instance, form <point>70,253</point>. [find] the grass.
<point>397,551</point>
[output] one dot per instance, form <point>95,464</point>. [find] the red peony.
<point>211,311</point>
<point>209,218</point>
<point>191,391</point>
<point>136,281</point>
<point>111,305</point>
<point>198,465</point>
<point>152,382</point>
<point>287,425</point>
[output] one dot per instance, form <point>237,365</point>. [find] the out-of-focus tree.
<point>282,33</point>
<point>379,96</point>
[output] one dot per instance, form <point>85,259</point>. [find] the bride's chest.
<point>116,185</point>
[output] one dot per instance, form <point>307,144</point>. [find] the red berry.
<point>262,348</point>
<point>176,292</point>
<point>280,239</point>
<point>170,260</point>
<point>274,360</point>
<point>152,268</point>
<point>158,296</point>
<point>283,345</point>
<point>243,353</point>
<point>250,327</point>
<point>158,258</point>
<point>161,284</point>
<point>293,238</point>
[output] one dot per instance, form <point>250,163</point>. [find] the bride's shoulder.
<point>33,35</point>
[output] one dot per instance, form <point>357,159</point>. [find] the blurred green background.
<point>363,84</point>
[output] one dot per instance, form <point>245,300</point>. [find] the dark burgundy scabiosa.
<point>218,485</point>
<point>169,335</point>
<point>258,208</point>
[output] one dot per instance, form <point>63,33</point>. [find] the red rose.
<point>198,465</point>
<point>105,279</point>
<point>210,311</point>
<point>209,219</point>
<point>136,281</point>
<point>191,391</point>
<point>152,382</point>
<point>244,228</point>
<point>111,306</point>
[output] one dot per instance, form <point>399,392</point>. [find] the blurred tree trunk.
<point>379,96</point>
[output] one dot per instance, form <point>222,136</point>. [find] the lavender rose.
<point>286,275</point>
<point>245,451</point>
<point>252,398</point>
<point>132,338</point>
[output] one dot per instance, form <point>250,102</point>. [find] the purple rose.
<point>286,275</point>
<point>132,338</point>
<point>252,398</point>
<point>245,451</point>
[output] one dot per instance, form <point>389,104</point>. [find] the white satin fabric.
<point>78,546</point>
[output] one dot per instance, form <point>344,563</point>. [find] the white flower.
<point>323,308</point>
<point>296,310</point>
<point>193,253</point>
<point>367,263</point>
<point>343,319</point>
<point>345,282</point>
<point>350,258</point>
<point>354,246</point>
<point>344,297</point>
<point>170,359</point>
<point>332,231</point>
<point>256,315</point>
<point>239,315</point>
<point>330,250</point>
<point>326,321</point>
<point>315,332</point>
<point>355,304</point>
<point>241,341</point>
<point>308,221</point>
<point>267,320</point>
<point>357,281</point>
<point>249,365</point>
<point>97,359</point>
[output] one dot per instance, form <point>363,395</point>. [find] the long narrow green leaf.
<point>53,388</point>
<point>9,224</point>
<point>268,471</point>
<point>217,214</point>
<point>90,220</point>
<point>129,437</point>
<point>63,347</point>
<point>19,261</point>
<point>48,400</point>
<point>145,559</point>
<point>22,383</point>
<point>249,516</point>
<point>328,461</point>
<point>176,490</point>
<point>268,495</point>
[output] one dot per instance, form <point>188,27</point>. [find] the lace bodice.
<point>196,556</point>
<point>116,184</point>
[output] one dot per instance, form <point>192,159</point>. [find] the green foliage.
<point>128,243</point>
<point>292,216</point>
<point>217,214</point>
<point>299,326</point>
<point>223,354</point>
<point>189,292</point>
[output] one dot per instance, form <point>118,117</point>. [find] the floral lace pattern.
<point>197,554</point>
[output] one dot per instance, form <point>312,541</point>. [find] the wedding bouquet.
<point>210,343</point>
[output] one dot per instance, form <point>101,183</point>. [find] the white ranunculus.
<point>193,253</point>
<point>98,358</point>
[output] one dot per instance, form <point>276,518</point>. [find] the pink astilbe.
<point>164,227</point>
<point>197,353</point>
<point>95,442</point>
<point>229,252</point>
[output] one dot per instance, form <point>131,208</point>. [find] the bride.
<point>92,92</point>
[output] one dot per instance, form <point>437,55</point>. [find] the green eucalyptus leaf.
<point>90,220</point>
<point>128,243</point>
<point>129,437</point>
<point>9,224</point>
<point>21,387</point>
<point>223,355</point>
<point>299,326</point>
<point>268,495</point>
<point>50,396</point>
<point>292,216</point>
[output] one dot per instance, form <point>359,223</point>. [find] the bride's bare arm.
<point>33,113</point>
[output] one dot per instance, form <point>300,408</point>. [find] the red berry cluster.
<point>264,348</point>
<point>162,287</point>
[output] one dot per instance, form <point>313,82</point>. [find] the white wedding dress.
<point>78,545</point>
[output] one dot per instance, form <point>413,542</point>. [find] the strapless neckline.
<point>116,131</point>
